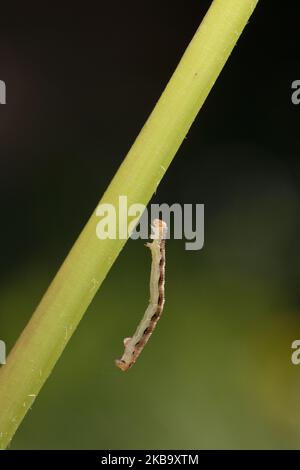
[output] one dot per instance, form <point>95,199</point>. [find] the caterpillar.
<point>135,345</point>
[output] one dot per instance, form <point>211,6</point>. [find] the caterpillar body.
<point>135,345</point>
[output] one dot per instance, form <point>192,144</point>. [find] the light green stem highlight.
<point>66,300</point>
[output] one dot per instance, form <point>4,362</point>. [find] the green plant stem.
<point>66,300</point>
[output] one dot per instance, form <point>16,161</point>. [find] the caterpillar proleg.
<point>135,345</point>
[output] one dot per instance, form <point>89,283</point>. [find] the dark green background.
<point>217,373</point>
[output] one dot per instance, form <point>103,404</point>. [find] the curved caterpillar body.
<point>135,345</point>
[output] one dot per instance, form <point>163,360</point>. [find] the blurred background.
<point>217,373</point>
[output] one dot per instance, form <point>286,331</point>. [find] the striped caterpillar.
<point>135,345</point>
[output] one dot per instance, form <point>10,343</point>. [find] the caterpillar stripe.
<point>135,345</point>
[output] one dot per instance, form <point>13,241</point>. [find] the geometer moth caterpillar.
<point>135,345</point>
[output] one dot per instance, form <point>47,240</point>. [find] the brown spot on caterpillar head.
<point>122,364</point>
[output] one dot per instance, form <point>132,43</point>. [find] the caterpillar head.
<point>159,229</point>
